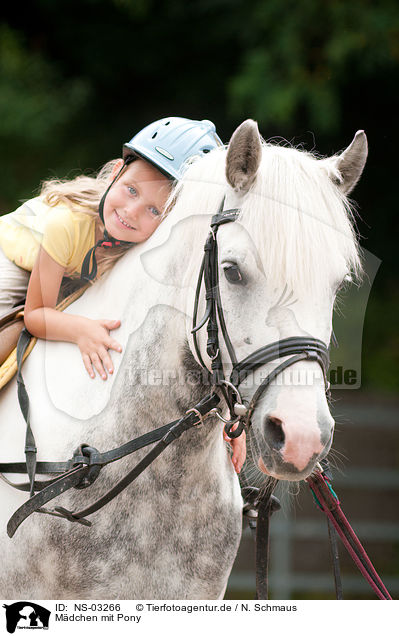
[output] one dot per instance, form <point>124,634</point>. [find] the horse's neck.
<point>155,272</point>
<point>156,385</point>
<point>158,358</point>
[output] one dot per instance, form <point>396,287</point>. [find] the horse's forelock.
<point>300,221</point>
<point>298,218</point>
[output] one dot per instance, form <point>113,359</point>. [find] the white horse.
<point>175,532</point>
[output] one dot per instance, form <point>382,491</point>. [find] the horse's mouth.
<point>286,472</point>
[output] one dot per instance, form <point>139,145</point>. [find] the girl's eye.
<point>155,212</point>
<point>232,273</point>
<point>132,190</point>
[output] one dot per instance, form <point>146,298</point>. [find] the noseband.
<point>298,348</point>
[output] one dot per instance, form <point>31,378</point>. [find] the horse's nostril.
<point>274,433</point>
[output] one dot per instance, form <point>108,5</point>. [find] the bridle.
<point>295,348</point>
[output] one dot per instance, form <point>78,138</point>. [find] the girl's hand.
<point>44,321</point>
<point>94,341</point>
<point>239,447</point>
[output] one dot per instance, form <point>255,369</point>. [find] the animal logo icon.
<point>25,615</point>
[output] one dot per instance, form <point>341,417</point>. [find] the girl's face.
<point>135,202</point>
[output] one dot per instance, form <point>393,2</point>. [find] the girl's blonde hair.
<point>85,192</point>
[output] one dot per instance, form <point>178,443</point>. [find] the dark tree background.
<point>79,78</point>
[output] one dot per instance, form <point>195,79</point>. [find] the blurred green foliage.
<point>34,101</point>
<point>380,361</point>
<point>299,54</point>
<point>79,78</point>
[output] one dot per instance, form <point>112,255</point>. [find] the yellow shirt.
<point>66,235</point>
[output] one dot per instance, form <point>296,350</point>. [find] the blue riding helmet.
<point>168,143</point>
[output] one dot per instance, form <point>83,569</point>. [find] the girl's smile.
<point>123,222</point>
<point>135,203</point>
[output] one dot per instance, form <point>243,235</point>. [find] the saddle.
<point>11,325</point>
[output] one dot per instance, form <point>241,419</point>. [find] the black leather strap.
<point>279,349</point>
<point>224,216</point>
<point>77,474</point>
<point>60,485</point>
<point>267,504</point>
<point>48,468</point>
<point>30,444</point>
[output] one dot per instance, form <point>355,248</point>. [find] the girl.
<point>61,232</point>
<point>69,228</point>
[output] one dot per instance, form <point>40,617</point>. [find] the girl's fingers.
<point>113,344</point>
<point>100,359</point>
<point>96,362</point>
<point>106,360</point>
<point>239,451</point>
<point>240,455</point>
<point>87,363</point>
<point>110,324</point>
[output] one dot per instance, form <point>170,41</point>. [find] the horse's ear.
<point>243,156</point>
<point>348,166</point>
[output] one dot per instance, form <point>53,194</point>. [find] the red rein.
<point>328,501</point>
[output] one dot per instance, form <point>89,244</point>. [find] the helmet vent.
<point>164,152</point>
<point>154,135</point>
<point>167,123</point>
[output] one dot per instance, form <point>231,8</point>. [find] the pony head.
<point>280,266</point>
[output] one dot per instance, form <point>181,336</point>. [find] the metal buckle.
<point>223,419</point>
<point>203,418</point>
<point>239,407</point>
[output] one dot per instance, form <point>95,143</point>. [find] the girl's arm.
<point>44,321</point>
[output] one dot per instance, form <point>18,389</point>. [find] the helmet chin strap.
<point>89,266</point>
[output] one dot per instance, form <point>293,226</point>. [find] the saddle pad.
<point>11,326</point>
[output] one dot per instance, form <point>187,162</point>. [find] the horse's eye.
<point>232,273</point>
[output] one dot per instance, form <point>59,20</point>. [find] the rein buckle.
<point>86,455</point>
<point>203,418</point>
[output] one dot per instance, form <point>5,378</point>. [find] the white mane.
<point>298,218</point>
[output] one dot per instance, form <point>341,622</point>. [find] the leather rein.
<point>85,465</point>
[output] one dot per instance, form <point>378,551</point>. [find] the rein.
<point>85,465</point>
<point>327,500</point>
